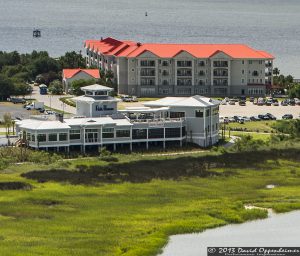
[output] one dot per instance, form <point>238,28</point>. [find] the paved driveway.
<point>52,100</point>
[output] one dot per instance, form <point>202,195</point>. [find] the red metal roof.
<point>69,73</point>
<point>130,49</point>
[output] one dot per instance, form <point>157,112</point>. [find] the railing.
<point>90,140</point>
<point>268,64</point>
<point>157,120</point>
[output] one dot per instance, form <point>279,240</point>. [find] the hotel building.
<point>166,121</point>
<point>159,70</point>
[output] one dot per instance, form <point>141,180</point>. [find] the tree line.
<point>18,70</point>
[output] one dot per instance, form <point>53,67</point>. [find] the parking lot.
<point>16,110</point>
<point>253,110</point>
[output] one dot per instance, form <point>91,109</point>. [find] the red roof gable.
<point>69,73</point>
<point>130,49</point>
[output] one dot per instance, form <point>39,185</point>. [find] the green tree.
<point>56,87</point>
<point>72,60</point>
<point>76,85</point>
<point>294,91</point>
<point>6,87</point>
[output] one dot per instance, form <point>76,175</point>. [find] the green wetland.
<point>131,204</point>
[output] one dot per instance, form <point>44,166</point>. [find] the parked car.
<point>275,104</point>
<point>260,102</point>
<point>297,101</point>
<point>254,118</point>
<point>17,100</point>
<point>269,102</point>
<point>284,103</point>
<point>242,103</point>
<point>272,117</point>
<point>251,99</point>
<point>223,102</point>
<point>263,117</point>
<point>246,119</point>
<point>287,116</point>
<point>292,102</point>
<point>232,102</point>
<point>226,99</point>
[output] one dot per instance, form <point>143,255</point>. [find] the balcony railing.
<point>92,140</point>
<point>158,120</point>
<point>268,64</point>
<point>184,63</point>
<point>147,63</point>
<point>184,73</point>
<point>223,64</point>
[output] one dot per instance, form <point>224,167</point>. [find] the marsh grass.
<point>136,217</point>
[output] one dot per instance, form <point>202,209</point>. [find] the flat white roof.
<point>90,121</point>
<point>193,101</point>
<point>93,99</point>
<point>34,124</point>
<point>96,87</point>
<point>144,110</point>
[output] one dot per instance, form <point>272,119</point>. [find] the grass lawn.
<point>255,135</point>
<point>259,126</point>
<point>136,218</point>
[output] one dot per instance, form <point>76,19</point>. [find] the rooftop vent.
<point>139,44</point>
<point>91,121</point>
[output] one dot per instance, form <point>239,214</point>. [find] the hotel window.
<point>250,61</point>
<point>156,133</point>
<point>63,136</point>
<point>52,137</point>
<point>122,133</point>
<point>33,137</point>
<point>243,62</point>
<point>172,132</point>
<point>74,134</point>
<point>177,114</point>
<point>201,63</point>
<point>108,133</point>
<point>28,135</point>
<point>242,81</point>
<point>243,71</point>
<point>199,113</point>
<point>165,63</point>
<point>41,137</point>
<point>139,134</point>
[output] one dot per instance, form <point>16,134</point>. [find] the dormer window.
<point>89,93</point>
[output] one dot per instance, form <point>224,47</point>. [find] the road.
<point>225,110</point>
<point>52,101</point>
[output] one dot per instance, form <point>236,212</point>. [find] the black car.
<point>287,116</point>
<point>263,117</point>
<point>292,102</point>
<point>254,118</point>
<point>272,117</point>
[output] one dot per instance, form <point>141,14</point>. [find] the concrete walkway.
<point>52,101</point>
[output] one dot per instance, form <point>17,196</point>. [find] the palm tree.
<point>7,122</point>
<point>276,71</point>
